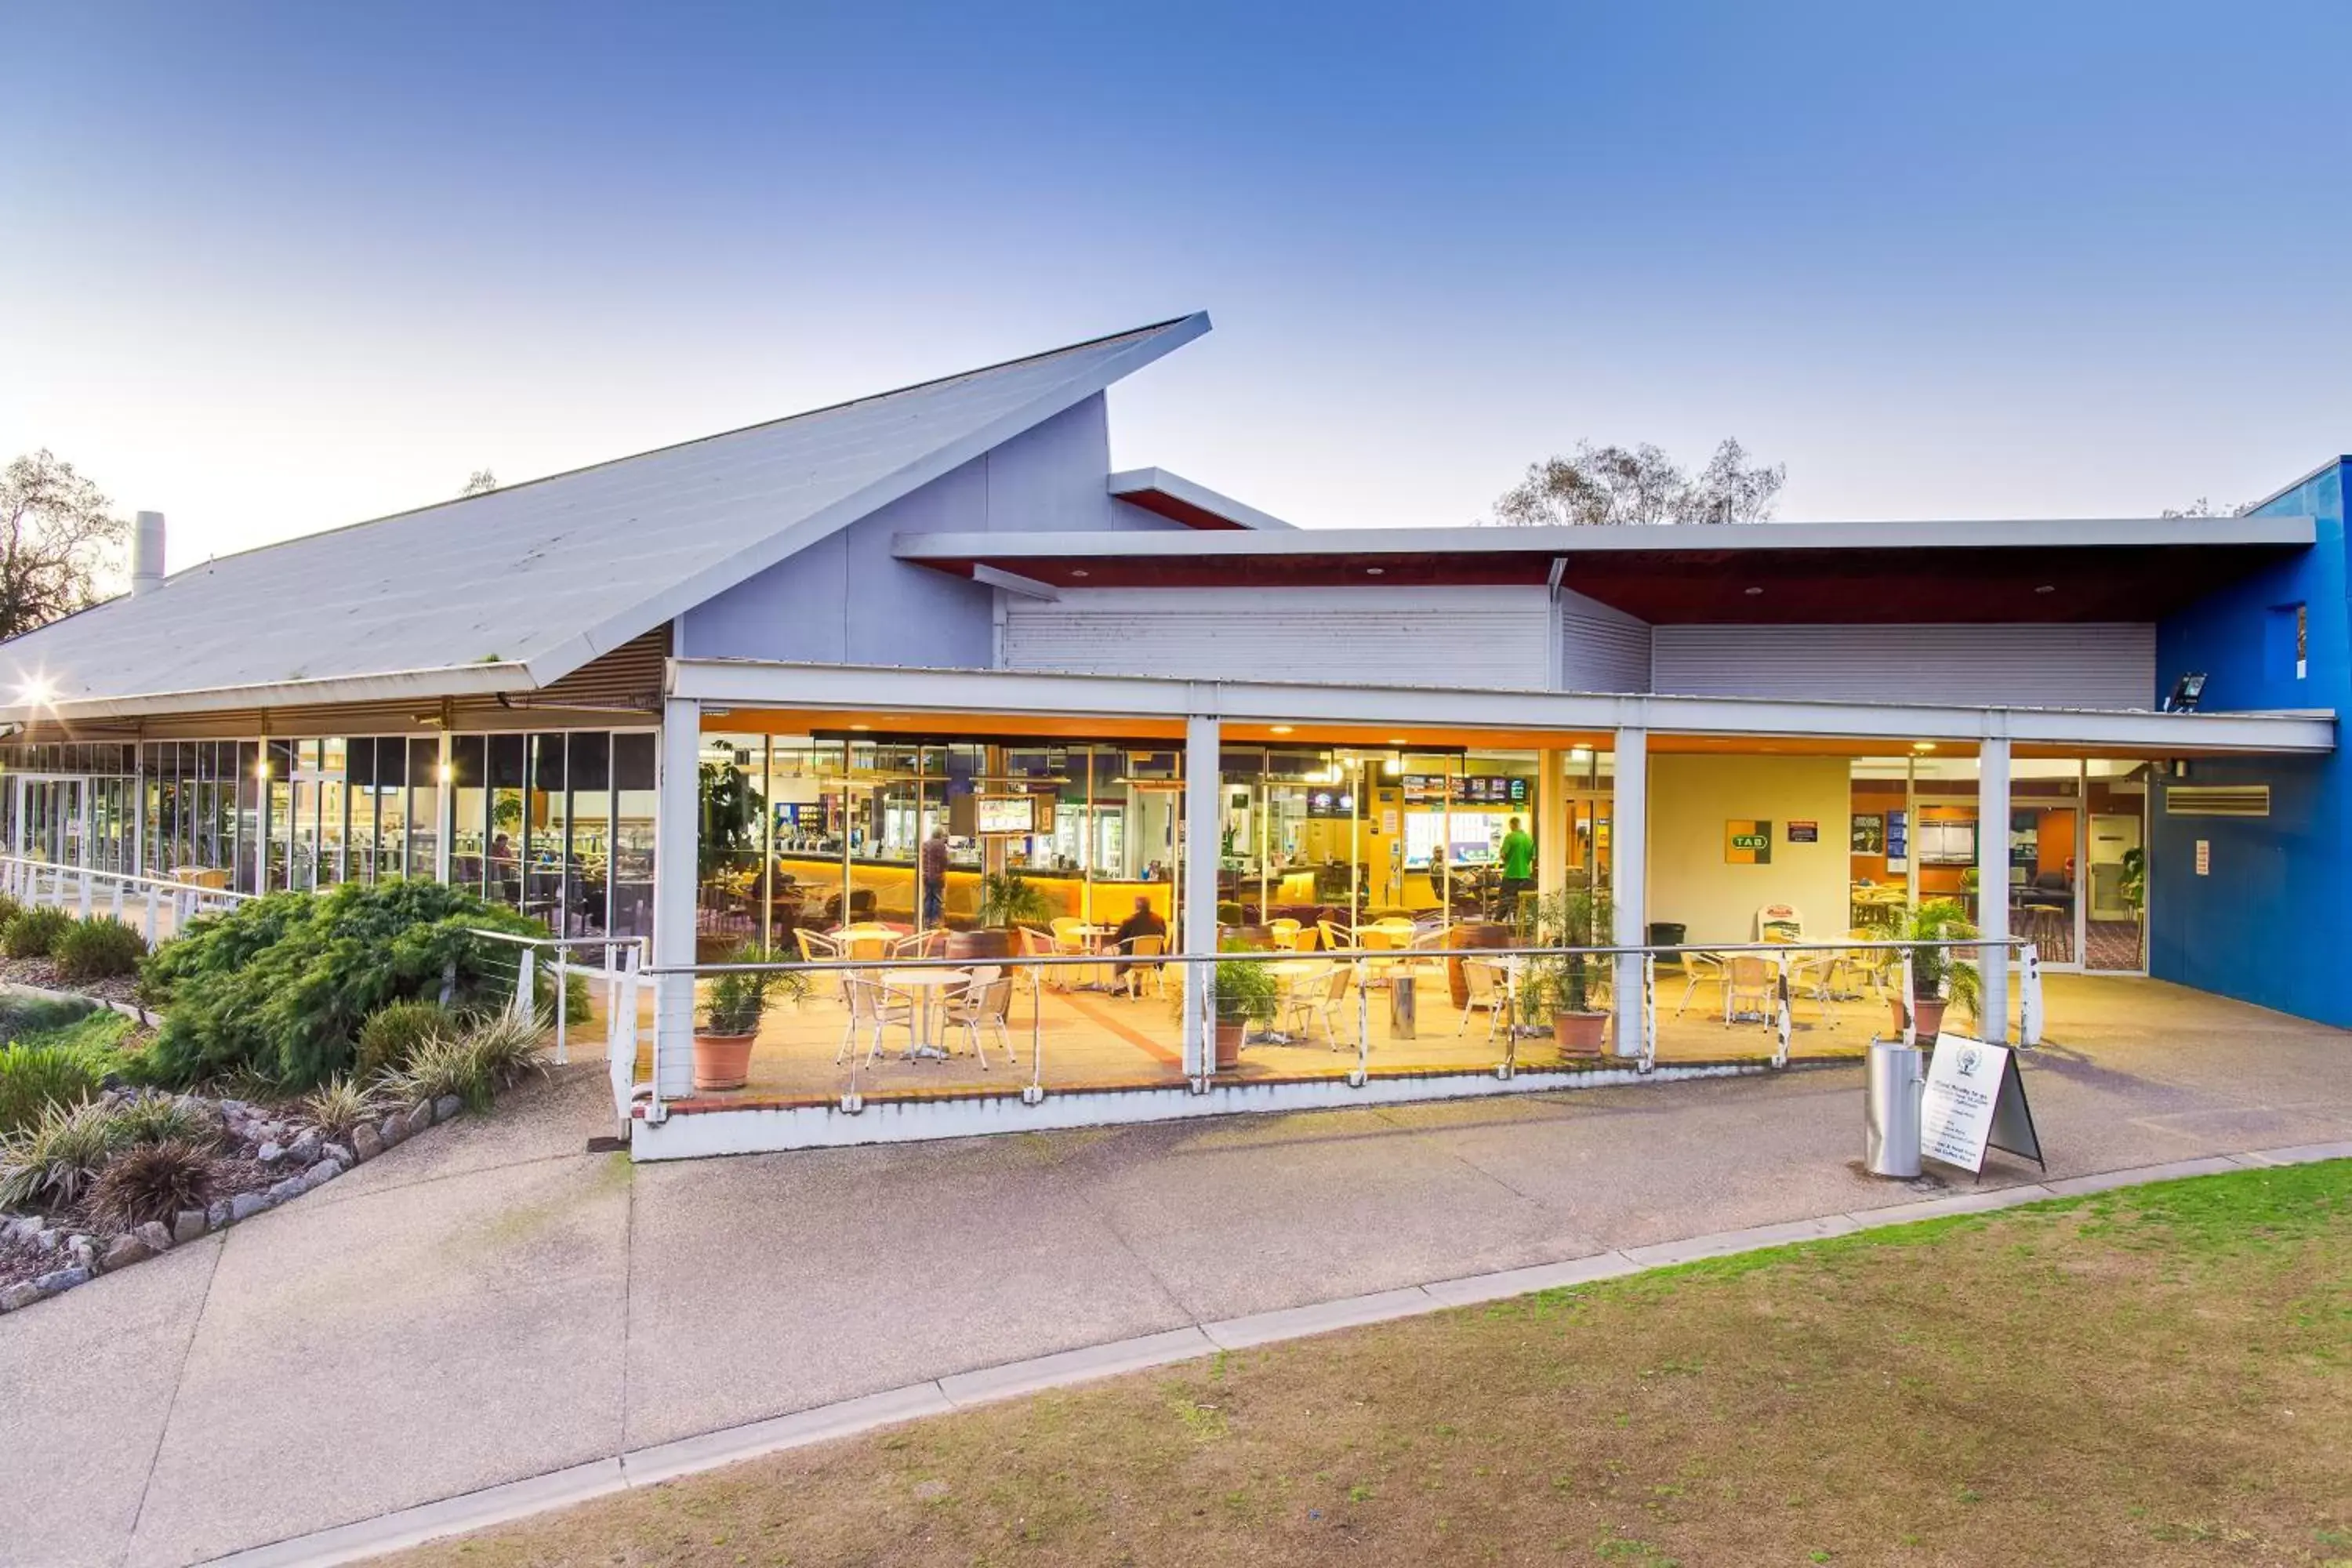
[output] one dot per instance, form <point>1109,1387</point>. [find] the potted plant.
<point>1572,916</point>
<point>1246,994</point>
<point>733,1003</point>
<point>1937,978</point>
<point>1006,899</point>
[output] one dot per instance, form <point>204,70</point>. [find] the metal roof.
<point>1177,498</point>
<point>511,590</point>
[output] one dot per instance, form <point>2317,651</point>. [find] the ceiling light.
<point>861,727</point>
<point>1282,729</point>
<point>1078,572</point>
<point>1396,740</point>
<point>1923,745</point>
<point>1375,571</point>
<point>2047,588</point>
<point>1751,592</point>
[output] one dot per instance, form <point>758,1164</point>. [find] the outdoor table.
<point>927,988</point>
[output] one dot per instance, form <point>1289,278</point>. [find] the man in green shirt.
<point>1518,870</point>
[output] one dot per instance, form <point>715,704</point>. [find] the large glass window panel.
<point>508,766</point>
<point>469,800</point>
<point>426,783</point>
<point>334,806</point>
<point>731,786</point>
<point>542,840</point>
<point>634,770</point>
<point>278,814</point>
<point>359,784</point>
<point>588,824</point>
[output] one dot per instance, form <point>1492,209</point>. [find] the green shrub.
<point>490,1056</point>
<point>24,1018</point>
<point>153,1181</point>
<point>9,909</point>
<point>280,985</point>
<point>163,1118</point>
<point>96,1034</point>
<point>32,933</point>
<point>342,1105</point>
<point>51,1163</point>
<point>391,1035</point>
<point>99,947</point>
<point>33,1078</point>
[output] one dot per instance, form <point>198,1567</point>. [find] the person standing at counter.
<point>1518,869</point>
<point>934,866</point>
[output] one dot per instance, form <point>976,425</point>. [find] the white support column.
<point>1551,821</point>
<point>1992,883</point>
<point>1628,881</point>
<point>1203,789</point>
<point>675,850</point>
<point>445,807</point>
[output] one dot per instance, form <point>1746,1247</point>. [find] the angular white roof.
<point>514,589</point>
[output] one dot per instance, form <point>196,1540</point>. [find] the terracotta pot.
<point>1926,1015</point>
<point>722,1061</point>
<point>1229,1045</point>
<point>1580,1034</point>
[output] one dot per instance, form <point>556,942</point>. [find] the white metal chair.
<point>1327,1004</point>
<point>982,1005</point>
<point>1698,967</point>
<point>875,1006</point>
<point>1747,989</point>
<point>1489,988</point>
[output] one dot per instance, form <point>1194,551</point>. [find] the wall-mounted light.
<point>37,691</point>
<point>447,773</point>
<point>261,768</point>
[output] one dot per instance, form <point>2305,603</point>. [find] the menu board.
<point>1005,814</point>
<point>1469,789</point>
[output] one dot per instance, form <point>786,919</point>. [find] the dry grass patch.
<point>2159,1376</point>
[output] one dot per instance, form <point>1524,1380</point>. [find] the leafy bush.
<point>391,1035</point>
<point>153,1181</point>
<point>98,949</point>
<point>344,1104</point>
<point>9,909</point>
<point>490,1056</point>
<point>32,933</point>
<point>33,1078</point>
<point>279,985</point>
<point>163,1118</point>
<point>51,1163</point>
<point>22,1018</point>
<point>506,1048</point>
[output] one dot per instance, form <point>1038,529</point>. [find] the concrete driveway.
<point>490,1302</point>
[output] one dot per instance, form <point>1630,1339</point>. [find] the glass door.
<point>51,820</point>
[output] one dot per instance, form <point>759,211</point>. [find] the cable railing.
<point>611,985</point>
<point>160,908</point>
<point>863,1003</point>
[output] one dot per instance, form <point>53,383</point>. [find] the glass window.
<point>635,769</point>
<point>507,757</point>
<point>469,799</point>
<point>359,783</point>
<point>588,822</point>
<point>425,785</point>
<point>541,841</point>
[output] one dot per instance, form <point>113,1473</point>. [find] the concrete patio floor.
<point>490,1302</point>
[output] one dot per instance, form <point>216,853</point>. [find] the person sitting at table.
<point>1144,921</point>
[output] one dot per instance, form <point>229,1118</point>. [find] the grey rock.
<point>291,1187</point>
<point>155,1233</point>
<point>393,1131</point>
<point>447,1105</point>
<point>304,1149</point>
<point>420,1117</point>
<point>320,1174</point>
<point>339,1154</point>
<point>270,1153</point>
<point>189,1224</point>
<point>216,1213</point>
<point>49,1238</point>
<point>366,1144</point>
<point>57,1279</point>
<point>245,1206</point>
<point>123,1251</point>
<point>231,1110</point>
<point>23,1293</point>
<point>83,1250</point>
<point>21,1227</point>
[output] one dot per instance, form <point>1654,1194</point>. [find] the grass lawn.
<point>2156,1375</point>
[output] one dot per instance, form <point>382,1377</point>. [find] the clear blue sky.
<point>276,267</point>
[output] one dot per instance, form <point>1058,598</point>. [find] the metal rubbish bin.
<point>1890,1110</point>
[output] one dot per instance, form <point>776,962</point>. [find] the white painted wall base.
<point>758,1132</point>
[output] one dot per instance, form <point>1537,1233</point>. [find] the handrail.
<point>161,884</point>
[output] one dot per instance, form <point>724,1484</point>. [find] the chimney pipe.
<point>147,553</point>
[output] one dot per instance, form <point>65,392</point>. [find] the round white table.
<point>927,988</point>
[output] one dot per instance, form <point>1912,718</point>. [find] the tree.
<point>2201,507</point>
<point>1602,485</point>
<point>61,545</point>
<point>480,482</point>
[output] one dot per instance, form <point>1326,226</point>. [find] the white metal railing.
<point>1790,964</point>
<point>146,902</point>
<point>620,960</point>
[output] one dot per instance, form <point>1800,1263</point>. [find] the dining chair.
<point>982,1005</point>
<point>875,1006</point>
<point>1747,989</point>
<point>1329,1006</point>
<point>815,946</point>
<point>1698,967</point>
<point>1487,988</point>
<point>1139,951</point>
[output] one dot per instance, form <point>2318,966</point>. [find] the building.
<point>724,690</point>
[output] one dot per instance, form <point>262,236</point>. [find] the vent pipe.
<point>147,553</point>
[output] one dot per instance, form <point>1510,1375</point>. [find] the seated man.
<point>1144,921</point>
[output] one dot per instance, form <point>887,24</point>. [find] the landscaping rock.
<point>124,1251</point>
<point>304,1149</point>
<point>291,1187</point>
<point>339,1154</point>
<point>189,1224</point>
<point>447,1105</point>
<point>48,1239</point>
<point>366,1144</point>
<point>216,1213</point>
<point>21,1229</point>
<point>245,1206</point>
<point>420,1117</point>
<point>392,1130</point>
<point>270,1153</point>
<point>320,1174</point>
<point>155,1233</point>
<point>57,1279</point>
<point>83,1250</point>
<point>23,1293</point>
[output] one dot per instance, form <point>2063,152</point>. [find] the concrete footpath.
<point>489,1307</point>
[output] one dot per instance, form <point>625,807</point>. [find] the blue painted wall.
<point>2270,922</point>
<point>846,600</point>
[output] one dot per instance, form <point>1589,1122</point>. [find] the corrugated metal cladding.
<point>630,676</point>
<point>1602,650</point>
<point>2104,665</point>
<point>1374,636</point>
